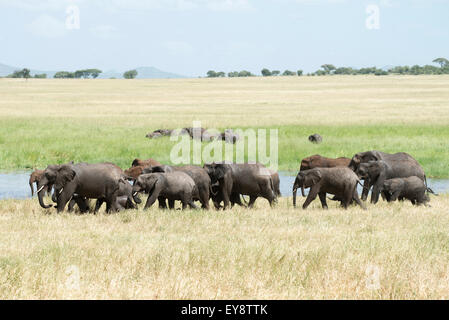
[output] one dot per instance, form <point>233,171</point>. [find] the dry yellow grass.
<point>391,251</point>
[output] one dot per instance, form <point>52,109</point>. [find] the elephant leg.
<point>322,196</point>
<point>356,198</point>
<point>366,187</point>
<point>395,195</point>
<point>162,203</point>
<point>71,205</point>
<point>171,204</point>
<point>83,204</point>
<point>98,204</point>
<point>311,196</point>
<point>252,199</point>
<point>153,196</point>
<point>204,198</point>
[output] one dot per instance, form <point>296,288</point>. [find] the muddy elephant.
<point>199,176</point>
<point>171,186</point>
<point>410,188</point>
<point>86,181</point>
<point>144,163</point>
<point>317,161</point>
<point>339,181</point>
<point>378,171</point>
<point>253,180</point>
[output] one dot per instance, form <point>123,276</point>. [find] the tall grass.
<point>391,251</point>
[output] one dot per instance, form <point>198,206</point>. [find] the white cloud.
<point>47,26</point>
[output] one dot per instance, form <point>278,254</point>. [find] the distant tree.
<point>130,74</point>
<point>328,68</point>
<point>443,62</point>
<point>40,76</point>
<point>94,73</point>
<point>220,74</point>
<point>63,75</point>
<point>211,74</point>
<point>288,73</point>
<point>26,73</point>
<point>265,72</point>
<point>320,73</point>
<point>245,73</point>
<point>233,74</point>
<point>275,72</point>
<point>299,73</point>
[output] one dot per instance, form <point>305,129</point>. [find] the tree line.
<point>330,69</point>
<point>78,74</point>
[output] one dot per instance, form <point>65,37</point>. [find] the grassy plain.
<point>54,121</point>
<point>391,251</point>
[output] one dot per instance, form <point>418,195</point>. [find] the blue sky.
<point>191,37</point>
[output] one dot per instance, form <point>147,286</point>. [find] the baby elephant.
<point>411,188</point>
<point>172,186</point>
<point>339,181</point>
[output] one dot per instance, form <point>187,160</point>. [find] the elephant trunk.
<point>294,195</point>
<point>32,189</point>
<point>40,194</point>
<point>302,191</point>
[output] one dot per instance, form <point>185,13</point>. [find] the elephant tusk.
<point>40,189</point>
<point>135,194</point>
<point>60,191</point>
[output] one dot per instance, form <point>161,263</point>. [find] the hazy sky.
<point>191,37</point>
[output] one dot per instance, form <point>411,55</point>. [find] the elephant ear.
<point>66,173</point>
<point>158,169</point>
<point>220,170</point>
<point>315,176</point>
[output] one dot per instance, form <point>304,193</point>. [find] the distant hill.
<point>142,73</point>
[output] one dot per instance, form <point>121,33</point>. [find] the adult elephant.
<point>86,181</point>
<point>318,161</point>
<point>199,176</point>
<point>378,171</point>
<point>339,181</point>
<point>374,155</point>
<point>253,180</point>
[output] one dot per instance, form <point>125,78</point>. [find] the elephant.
<point>374,155</point>
<point>317,161</point>
<point>315,138</point>
<point>249,179</point>
<point>339,181</point>
<point>229,136</point>
<point>199,176</point>
<point>124,197</point>
<point>35,176</point>
<point>84,181</point>
<point>159,133</point>
<point>173,186</point>
<point>144,163</point>
<point>378,171</point>
<point>217,197</point>
<point>410,188</point>
<point>134,172</point>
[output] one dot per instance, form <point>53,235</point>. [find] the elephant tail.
<point>427,187</point>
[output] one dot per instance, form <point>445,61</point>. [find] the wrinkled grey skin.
<point>315,138</point>
<point>378,171</point>
<point>253,180</point>
<point>217,197</point>
<point>124,197</point>
<point>339,181</point>
<point>411,188</point>
<point>172,186</point>
<point>86,181</point>
<point>199,176</point>
<point>374,155</point>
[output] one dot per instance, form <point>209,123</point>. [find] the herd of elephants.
<point>393,176</point>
